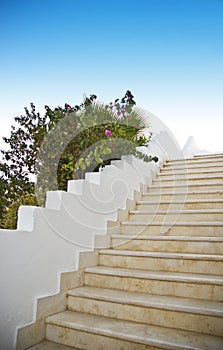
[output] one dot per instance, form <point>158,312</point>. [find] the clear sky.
<point>169,53</point>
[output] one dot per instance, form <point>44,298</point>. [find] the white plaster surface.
<point>48,240</point>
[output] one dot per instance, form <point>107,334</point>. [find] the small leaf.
<point>106,150</point>
<point>88,162</point>
<point>98,159</point>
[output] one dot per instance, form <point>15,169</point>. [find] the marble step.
<point>208,155</point>
<point>185,314</point>
<point>190,169</point>
<point>180,228</point>
<point>91,332</point>
<point>47,345</point>
<point>207,171</point>
<point>189,187</point>
<point>184,194</point>
<point>172,244</point>
<point>198,164</point>
<point>185,285</point>
<point>196,160</point>
<point>187,179</point>
<point>162,261</point>
<point>179,215</point>
<point>173,204</point>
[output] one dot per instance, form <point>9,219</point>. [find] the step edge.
<point>187,185</point>
<point>170,238</point>
<point>177,223</point>
<point>183,192</point>
<point>186,201</point>
<point>183,211</point>
<point>140,339</point>
<point>158,275</point>
<point>162,255</point>
<point>211,311</point>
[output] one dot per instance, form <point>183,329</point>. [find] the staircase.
<point>160,285</point>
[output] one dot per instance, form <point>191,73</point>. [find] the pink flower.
<point>73,124</point>
<point>108,132</point>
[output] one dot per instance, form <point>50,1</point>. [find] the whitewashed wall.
<point>48,240</point>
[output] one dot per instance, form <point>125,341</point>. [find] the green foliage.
<point>64,144</point>
<point>10,215</point>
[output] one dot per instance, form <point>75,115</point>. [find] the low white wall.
<point>48,240</point>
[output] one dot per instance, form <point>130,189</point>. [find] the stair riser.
<point>90,341</point>
<point>173,206</point>
<point>191,169</point>
<point>148,315</point>
<point>168,246</point>
<point>174,230</point>
<point>162,264</point>
<point>179,196</point>
<point>152,286</point>
<point>172,217</point>
<point>174,189</point>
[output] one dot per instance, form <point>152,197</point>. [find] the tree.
<point>66,143</point>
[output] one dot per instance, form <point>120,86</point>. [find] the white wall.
<point>48,240</point>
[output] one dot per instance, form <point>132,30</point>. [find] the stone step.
<point>188,204</point>
<point>196,160</point>
<point>174,244</point>
<point>171,228</point>
<point>47,345</point>
<point>190,168</point>
<point>179,215</point>
<point>195,164</point>
<point>208,155</point>
<point>184,285</point>
<point>162,261</point>
<point>175,187</point>
<point>91,332</point>
<point>184,314</point>
<point>187,179</point>
<point>183,195</point>
<point>191,171</point>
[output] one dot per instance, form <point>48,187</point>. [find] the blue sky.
<point>169,53</point>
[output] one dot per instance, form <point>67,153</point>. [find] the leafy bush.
<point>10,215</point>
<point>65,144</point>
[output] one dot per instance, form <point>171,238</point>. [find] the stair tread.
<point>139,253</point>
<point>134,332</point>
<point>186,184</point>
<point>207,170</point>
<point>180,201</point>
<point>209,154</point>
<point>196,158</point>
<point>170,238</point>
<point>181,211</point>
<point>205,163</point>
<point>48,345</point>
<point>156,275</point>
<point>186,177</point>
<point>203,307</point>
<point>196,163</point>
<point>177,223</point>
<point>184,192</point>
